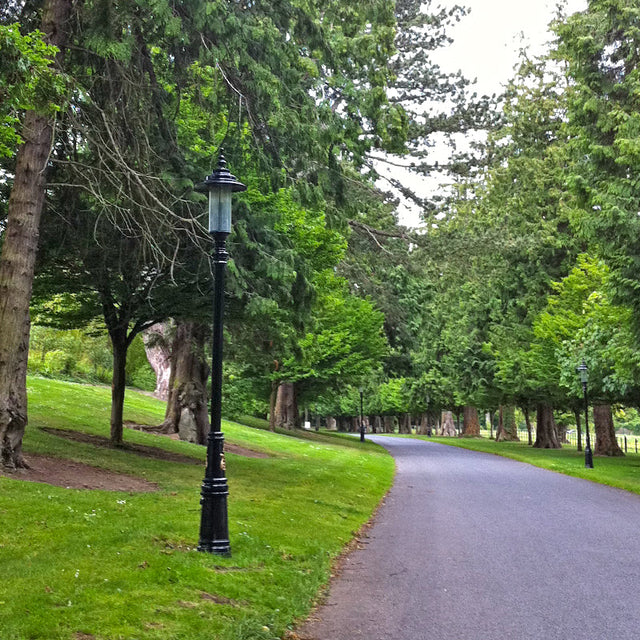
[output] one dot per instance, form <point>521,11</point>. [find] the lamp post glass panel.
<point>361,390</point>
<point>214,526</point>
<point>584,377</point>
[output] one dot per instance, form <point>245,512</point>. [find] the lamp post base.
<point>214,527</point>
<point>588,459</point>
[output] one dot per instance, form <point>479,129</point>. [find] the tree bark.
<point>471,422</point>
<point>388,424</point>
<point>120,346</point>
<point>11,441</point>
<point>527,420</point>
<point>606,442</point>
<point>157,345</point>
<point>187,405</point>
<point>576,413</point>
<point>507,427</point>
<point>19,247</point>
<point>286,409</point>
<point>447,426</point>
<point>377,424</point>
<point>546,432</point>
<point>423,427</point>
<point>405,424</point>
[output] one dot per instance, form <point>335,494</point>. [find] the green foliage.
<point>345,342</point>
<point>580,322</point>
<point>85,355</point>
<point>601,50</point>
<point>27,81</point>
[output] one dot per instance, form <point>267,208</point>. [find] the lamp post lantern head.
<point>583,372</point>
<point>220,185</point>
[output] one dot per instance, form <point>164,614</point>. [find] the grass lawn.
<point>623,472</point>
<point>87,564</point>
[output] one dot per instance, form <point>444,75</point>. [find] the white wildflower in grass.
<point>77,573</point>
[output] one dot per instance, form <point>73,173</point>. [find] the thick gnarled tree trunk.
<point>285,412</point>
<point>157,345</point>
<point>546,432</point>
<point>447,425</point>
<point>471,422</point>
<point>187,404</point>
<point>17,261</point>
<point>405,424</point>
<point>11,440</point>
<point>507,427</point>
<point>606,442</point>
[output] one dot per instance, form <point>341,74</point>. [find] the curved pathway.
<point>470,546</point>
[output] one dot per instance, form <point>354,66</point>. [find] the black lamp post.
<point>214,526</point>
<point>584,376</point>
<point>361,416</point>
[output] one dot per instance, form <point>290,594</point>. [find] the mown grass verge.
<point>85,565</point>
<point>620,472</point>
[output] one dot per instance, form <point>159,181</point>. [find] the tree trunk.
<point>562,433</point>
<point>187,412</point>
<point>447,426</point>
<point>331,424</point>
<point>471,422</point>
<point>286,409</point>
<point>405,424</point>
<point>19,247</point>
<point>546,432</point>
<point>424,424</point>
<point>527,420</point>
<point>118,383</point>
<point>388,424</point>
<point>606,442</point>
<point>157,346</point>
<point>273,396</point>
<point>507,427</point>
<point>377,424</point>
<point>11,439</point>
<point>576,412</point>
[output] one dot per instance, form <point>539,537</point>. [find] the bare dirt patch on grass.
<point>138,449</point>
<point>229,447</point>
<point>61,472</point>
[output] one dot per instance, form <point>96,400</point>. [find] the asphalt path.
<point>470,546</point>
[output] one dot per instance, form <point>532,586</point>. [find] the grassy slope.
<point>123,566</point>
<point>623,472</point>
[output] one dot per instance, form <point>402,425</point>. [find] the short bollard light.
<point>584,378</point>
<point>214,526</point>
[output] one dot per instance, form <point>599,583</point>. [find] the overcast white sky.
<point>487,41</point>
<point>486,45</point>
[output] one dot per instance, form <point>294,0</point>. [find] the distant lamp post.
<point>214,526</point>
<point>361,390</point>
<point>584,376</point>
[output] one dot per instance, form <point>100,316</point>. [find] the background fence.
<point>628,443</point>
